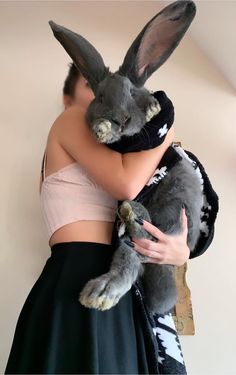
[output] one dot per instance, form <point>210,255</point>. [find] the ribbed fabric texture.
<point>71,194</point>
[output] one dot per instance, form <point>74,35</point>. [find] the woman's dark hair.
<point>71,79</point>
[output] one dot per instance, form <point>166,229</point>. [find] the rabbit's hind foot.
<point>103,292</point>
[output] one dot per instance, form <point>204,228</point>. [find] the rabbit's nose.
<point>127,118</point>
<point>123,122</point>
<point>116,121</point>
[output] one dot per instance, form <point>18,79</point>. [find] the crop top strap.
<point>43,165</point>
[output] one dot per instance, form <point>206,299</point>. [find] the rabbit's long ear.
<point>87,59</point>
<point>157,40</point>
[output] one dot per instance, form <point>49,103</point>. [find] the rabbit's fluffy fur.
<point>121,107</point>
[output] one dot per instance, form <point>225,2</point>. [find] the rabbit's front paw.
<point>153,109</point>
<point>128,217</point>
<point>103,292</point>
<point>128,212</point>
<point>103,131</point>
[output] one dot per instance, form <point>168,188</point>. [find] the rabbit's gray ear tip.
<point>52,24</point>
<point>192,6</point>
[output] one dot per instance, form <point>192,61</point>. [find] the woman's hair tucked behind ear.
<point>71,79</point>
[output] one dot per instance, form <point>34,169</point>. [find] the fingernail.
<point>129,243</point>
<point>139,220</point>
<point>183,206</point>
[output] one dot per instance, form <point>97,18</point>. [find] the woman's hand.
<point>170,249</point>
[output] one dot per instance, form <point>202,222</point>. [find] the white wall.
<point>33,67</point>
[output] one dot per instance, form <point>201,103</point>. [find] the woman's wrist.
<point>170,135</point>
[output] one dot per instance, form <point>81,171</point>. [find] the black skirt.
<point>56,334</point>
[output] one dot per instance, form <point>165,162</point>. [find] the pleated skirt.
<point>56,334</point>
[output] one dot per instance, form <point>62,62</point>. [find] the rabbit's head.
<point>122,105</point>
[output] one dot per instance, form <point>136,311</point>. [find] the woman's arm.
<point>123,176</point>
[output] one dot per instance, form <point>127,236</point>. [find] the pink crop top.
<point>71,194</point>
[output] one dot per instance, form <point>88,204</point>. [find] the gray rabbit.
<point>121,107</point>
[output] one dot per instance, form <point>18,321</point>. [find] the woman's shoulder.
<point>57,156</point>
<point>68,112</point>
<point>71,130</point>
<point>65,130</point>
<point>64,120</point>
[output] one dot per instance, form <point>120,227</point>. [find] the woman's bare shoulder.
<point>57,156</point>
<point>64,118</point>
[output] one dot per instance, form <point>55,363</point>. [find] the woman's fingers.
<point>147,245</point>
<point>153,230</point>
<point>153,250</point>
<point>158,234</point>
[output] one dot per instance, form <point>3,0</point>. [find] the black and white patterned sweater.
<point>153,135</point>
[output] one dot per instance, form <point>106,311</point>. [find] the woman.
<point>79,194</point>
